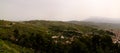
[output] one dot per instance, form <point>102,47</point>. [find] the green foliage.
<point>36,37</point>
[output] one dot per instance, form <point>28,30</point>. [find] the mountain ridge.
<point>103,20</point>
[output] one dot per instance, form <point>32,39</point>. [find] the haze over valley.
<point>59,26</point>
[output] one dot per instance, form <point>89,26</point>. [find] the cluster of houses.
<point>65,40</point>
<point>116,38</point>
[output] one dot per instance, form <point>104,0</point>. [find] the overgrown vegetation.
<point>54,37</point>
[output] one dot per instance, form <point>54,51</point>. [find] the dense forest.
<point>39,36</point>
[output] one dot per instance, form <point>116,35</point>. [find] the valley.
<point>40,36</point>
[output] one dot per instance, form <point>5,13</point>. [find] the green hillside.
<point>54,37</point>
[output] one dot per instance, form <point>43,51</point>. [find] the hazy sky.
<point>58,9</point>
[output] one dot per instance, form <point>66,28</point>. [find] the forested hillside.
<point>39,36</point>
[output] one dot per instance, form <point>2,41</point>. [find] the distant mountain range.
<point>102,20</point>
<point>99,22</point>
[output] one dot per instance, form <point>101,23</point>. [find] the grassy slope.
<point>8,47</point>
